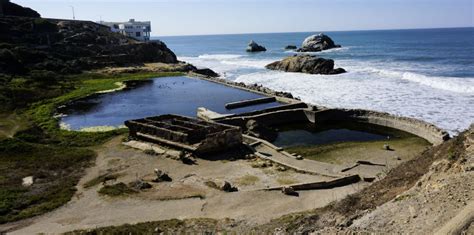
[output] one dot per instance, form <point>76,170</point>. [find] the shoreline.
<point>283,97</point>
<point>418,127</point>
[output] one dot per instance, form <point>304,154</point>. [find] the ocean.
<point>421,73</point>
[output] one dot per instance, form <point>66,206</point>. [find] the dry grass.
<point>177,192</point>
<point>247,180</point>
<point>286,181</point>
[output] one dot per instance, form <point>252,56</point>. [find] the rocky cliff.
<point>28,44</point>
<point>8,8</point>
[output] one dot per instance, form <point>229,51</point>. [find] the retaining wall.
<point>414,126</point>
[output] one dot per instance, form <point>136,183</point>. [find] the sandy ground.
<point>177,199</point>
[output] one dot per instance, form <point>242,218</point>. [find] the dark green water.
<point>310,134</point>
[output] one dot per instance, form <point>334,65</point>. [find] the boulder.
<point>254,47</point>
<point>317,42</point>
<point>290,47</point>
<point>139,185</point>
<point>258,130</point>
<point>306,64</point>
<point>161,176</point>
<point>289,191</point>
<point>28,181</point>
<point>227,187</point>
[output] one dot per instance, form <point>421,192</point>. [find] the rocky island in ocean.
<point>317,42</point>
<point>232,151</point>
<point>306,64</point>
<point>255,47</point>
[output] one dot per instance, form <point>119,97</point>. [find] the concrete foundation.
<point>301,112</point>
<point>185,133</point>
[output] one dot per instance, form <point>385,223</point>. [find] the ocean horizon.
<point>159,37</point>
<point>419,73</point>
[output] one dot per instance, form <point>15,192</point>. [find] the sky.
<point>201,17</point>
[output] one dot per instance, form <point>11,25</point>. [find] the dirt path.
<point>89,210</point>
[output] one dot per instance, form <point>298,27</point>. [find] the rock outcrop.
<point>206,72</point>
<point>317,42</point>
<point>63,46</point>
<point>306,64</point>
<point>8,8</point>
<point>254,47</point>
<point>290,47</point>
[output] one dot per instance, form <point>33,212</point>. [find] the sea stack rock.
<point>290,47</point>
<point>317,42</point>
<point>306,64</point>
<point>254,47</point>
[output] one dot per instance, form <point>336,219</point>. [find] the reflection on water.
<point>175,95</point>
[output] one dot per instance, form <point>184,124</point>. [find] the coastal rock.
<point>290,47</point>
<point>206,72</point>
<point>254,47</point>
<point>317,42</point>
<point>306,64</point>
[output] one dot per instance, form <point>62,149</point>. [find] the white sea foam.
<point>454,84</point>
<point>223,63</point>
<point>220,56</point>
<point>378,85</point>
<point>248,63</point>
<point>332,50</point>
<point>451,111</point>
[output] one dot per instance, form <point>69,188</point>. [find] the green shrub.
<point>118,189</point>
<point>44,26</point>
<point>44,76</point>
<point>56,171</point>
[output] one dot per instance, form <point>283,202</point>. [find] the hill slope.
<point>63,46</point>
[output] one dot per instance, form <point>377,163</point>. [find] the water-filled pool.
<point>327,133</point>
<point>173,95</point>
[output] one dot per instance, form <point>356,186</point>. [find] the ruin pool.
<point>327,133</point>
<point>167,95</point>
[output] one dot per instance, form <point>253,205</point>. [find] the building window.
<point>138,34</point>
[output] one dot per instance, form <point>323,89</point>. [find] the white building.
<point>139,30</point>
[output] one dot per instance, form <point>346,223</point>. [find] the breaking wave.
<point>454,84</point>
<point>394,87</point>
<point>219,56</point>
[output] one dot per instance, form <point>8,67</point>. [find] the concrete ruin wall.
<point>343,181</point>
<point>221,141</point>
<point>414,126</point>
<point>269,118</point>
<point>186,133</point>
